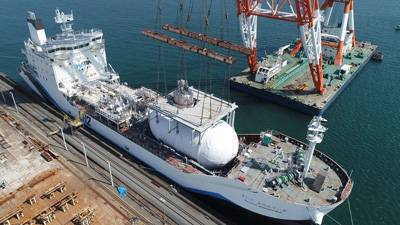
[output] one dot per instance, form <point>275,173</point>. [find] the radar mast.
<point>315,134</point>
<point>65,21</point>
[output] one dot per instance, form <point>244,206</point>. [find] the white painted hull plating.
<point>229,190</point>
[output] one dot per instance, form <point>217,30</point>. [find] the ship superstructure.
<point>188,135</point>
<point>55,65</point>
<point>271,66</point>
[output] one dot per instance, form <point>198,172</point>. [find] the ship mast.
<point>65,21</point>
<point>315,135</point>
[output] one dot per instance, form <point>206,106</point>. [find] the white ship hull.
<point>71,71</point>
<point>231,191</point>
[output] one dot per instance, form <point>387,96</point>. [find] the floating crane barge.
<point>310,80</point>
<point>293,86</point>
<point>307,75</point>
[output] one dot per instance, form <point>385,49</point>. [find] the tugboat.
<point>378,57</point>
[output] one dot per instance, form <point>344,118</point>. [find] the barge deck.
<point>293,86</point>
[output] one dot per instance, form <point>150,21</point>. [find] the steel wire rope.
<point>183,54</point>
<point>161,63</point>
<point>157,27</point>
<point>224,27</point>
<point>209,62</point>
<point>179,23</point>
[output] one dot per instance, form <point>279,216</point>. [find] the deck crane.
<point>305,13</point>
<point>346,38</point>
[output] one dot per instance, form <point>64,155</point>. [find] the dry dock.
<point>149,198</point>
<point>294,88</point>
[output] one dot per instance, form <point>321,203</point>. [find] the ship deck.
<point>113,101</point>
<point>295,84</point>
<point>206,111</point>
<point>166,153</point>
<point>265,163</point>
<point>258,164</point>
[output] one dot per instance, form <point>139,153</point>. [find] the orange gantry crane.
<point>308,16</point>
<point>305,13</point>
<point>347,27</point>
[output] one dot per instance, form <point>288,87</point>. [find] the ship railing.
<point>72,42</point>
<point>111,74</point>
<point>164,151</point>
<point>57,40</point>
<point>81,32</point>
<point>88,31</point>
<point>342,174</point>
<point>97,45</point>
<point>183,159</point>
<point>116,119</point>
<point>62,48</point>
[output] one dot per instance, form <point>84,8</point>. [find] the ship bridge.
<point>74,40</point>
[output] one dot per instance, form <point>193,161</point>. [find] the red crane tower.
<point>305,13</point>
<point>347,28</point>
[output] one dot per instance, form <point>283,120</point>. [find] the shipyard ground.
<point>150,200</point>
<point>34,186</point>
<point>294,87</point>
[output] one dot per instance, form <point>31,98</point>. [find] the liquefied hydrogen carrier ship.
<point>187,135</point>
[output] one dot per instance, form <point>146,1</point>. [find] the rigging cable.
<point>330,217</point>
<point>348,203</point>
<point>160,63</point>
<point>225,28</point>
<point>228,34</point>
<point>182,71</point>
<point>209,61</point>
<point>204,28</point>
<point>201,67</point>
<point>158,23</point>
<point>188,19</point>
<point>190,12</point>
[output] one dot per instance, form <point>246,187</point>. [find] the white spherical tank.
<point>219,144</point>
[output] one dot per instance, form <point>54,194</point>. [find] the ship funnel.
<point>183,96</point>
<point>36,29</point>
